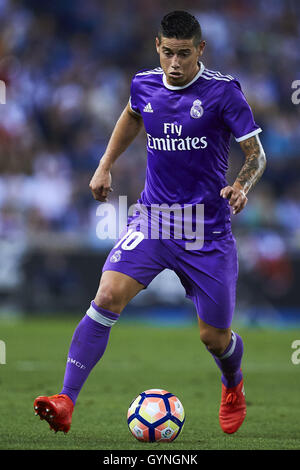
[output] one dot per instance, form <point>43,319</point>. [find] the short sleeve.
<point>133,98</point>
<point>236,112</point>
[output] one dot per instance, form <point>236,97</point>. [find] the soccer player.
<point>189,113</point>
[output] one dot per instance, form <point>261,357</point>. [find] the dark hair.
<point>180,25</point>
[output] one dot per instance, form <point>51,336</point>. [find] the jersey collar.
<point>171,87</point>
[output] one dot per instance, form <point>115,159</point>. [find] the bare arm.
<point>125,131</point>
<point>249,175</point>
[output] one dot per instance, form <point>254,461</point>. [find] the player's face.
<point>179,59</point>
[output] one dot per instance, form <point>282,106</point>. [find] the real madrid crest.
<point>116,256</point>
<point>197,109</point>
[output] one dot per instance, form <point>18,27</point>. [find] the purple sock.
<point>87,347</point>
<point>230,361</point>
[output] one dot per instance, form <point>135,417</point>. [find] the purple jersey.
<point>188,135</point>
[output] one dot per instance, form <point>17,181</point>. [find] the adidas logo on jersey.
<point>148,108</point>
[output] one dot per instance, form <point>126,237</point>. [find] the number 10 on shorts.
<point>130,240</point>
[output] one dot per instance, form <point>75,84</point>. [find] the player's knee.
<point>107,299</point>
<point>215,341</point>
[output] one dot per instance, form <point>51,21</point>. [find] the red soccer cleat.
<point>56,410</point>
<point>233,408</point>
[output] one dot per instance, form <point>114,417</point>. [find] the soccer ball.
<point>156,415</point>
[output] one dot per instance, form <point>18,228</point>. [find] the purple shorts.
<point>208,275</point>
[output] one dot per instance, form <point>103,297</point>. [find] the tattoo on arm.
<point>254,165</point>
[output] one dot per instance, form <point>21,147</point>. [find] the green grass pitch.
<point>140,357</point>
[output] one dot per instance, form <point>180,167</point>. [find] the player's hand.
<point>236,196</point>
<point>100,184</point>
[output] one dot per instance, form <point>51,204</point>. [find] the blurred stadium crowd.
<point>67,66</point>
